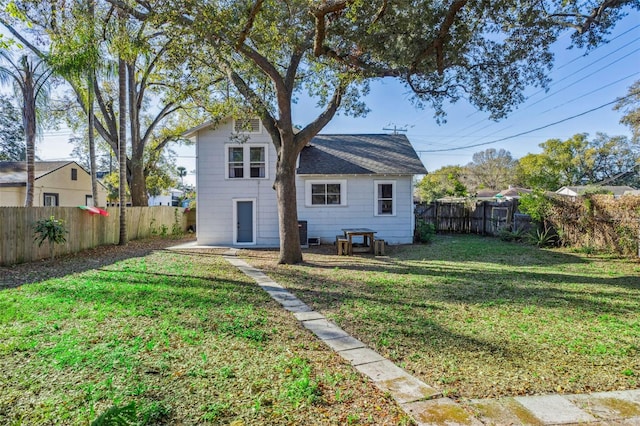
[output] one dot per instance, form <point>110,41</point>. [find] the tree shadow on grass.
<point>95,258</point>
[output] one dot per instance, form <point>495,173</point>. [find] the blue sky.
<point>580,82</point>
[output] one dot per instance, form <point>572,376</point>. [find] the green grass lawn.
<point>478,317</point>
<point>184,336</point>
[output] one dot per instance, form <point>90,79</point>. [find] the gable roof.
<point>360,154</point>
<point>14,173</point>
<point>515,191</point>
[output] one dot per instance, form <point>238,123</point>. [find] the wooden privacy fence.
<point>86,231</point>
<point>470,217</point>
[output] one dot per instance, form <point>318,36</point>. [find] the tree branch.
<point>437,46</point>
<point>247,28</point>
<point>305,135</point>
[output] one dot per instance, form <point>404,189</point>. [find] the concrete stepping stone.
<point>503,411</point>
<point>361,355</point>
<point>439,412</point>
<point>554,409</point>
<point>344,343</point>
<point>325,329</point>
<point>609,405</point>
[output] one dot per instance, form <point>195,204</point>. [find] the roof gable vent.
<point>247,125</point>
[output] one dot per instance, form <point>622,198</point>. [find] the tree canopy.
<point>447,181</point>
<point>492,169</point>
<point>580,161</point>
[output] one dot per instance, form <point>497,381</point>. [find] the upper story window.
<point>247,161</point>
<point>74,174</point>
<point>247,125</point>
<point>257,164</point>
<point>236,162</point>
<point>385,198</point>
<point>326,193</point>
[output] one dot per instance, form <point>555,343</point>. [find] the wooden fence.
<point>471,217</point>
<point>17,243</point>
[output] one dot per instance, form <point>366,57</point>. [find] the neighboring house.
<point>575,191</point>
<point>486,193</point>
<point>57,183</point>
<point>513,192</point>
<point>170,197</point>
<point>342,181</point>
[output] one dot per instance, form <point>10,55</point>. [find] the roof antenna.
<point>396,129</point>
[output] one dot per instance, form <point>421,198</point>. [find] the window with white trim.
<point>246,161</point>
<point>257,165</point>
<point>326,193</point>
<point>385,198</point>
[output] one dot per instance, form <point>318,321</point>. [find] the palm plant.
<point>31,80</point>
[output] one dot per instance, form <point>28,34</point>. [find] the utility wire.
<point>533,130</point>
<point>565,78</point>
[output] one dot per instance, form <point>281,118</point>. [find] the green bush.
<point>51,230</point>
<point>424,231</point>
<point>512,235</point>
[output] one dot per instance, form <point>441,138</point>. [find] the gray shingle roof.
<point>360,154</point>
<point>14,173</point>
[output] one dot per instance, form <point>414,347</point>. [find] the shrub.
<point>512,235</point>
<point>424,231</point>
<point>51,230</point>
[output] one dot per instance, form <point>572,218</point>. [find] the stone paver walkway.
<point>426,404</point>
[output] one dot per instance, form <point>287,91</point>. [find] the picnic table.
<point>367,238</point>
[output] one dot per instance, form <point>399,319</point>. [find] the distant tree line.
<point>579,160</point>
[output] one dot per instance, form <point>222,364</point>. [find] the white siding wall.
<point>327,222</point>
<point>216,193</point>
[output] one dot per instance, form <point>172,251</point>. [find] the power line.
<point>533,130</point>
<point>565,78</point>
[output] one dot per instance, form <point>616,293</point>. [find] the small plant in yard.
<point>117,416</point>
<point>425,231</point>
<point>51,230</point>
<point>512,235</point>
<point>542,237</point>
<point>176,227</point>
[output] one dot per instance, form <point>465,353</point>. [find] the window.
<point>326,193</point>
<point>50,200</point>
<point>88,200</point>
<point>239,167</point>
<point>257,165</point>
<point>236,163</point>
<point>385,198</point>
<point>74,174</point>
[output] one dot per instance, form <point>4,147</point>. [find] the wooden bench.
<point>343,246</point>
<point>378,247</point>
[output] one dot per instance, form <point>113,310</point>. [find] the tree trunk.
<point>122,148</point>
<point>91,124</point>
<point>29,123</point>
<point>92,140</point>
<point>285,186</point>
<point>137,183</point>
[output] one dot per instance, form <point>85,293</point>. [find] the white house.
<point>575,191</point>
<point>343,181</point>
<point>169,197</point>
